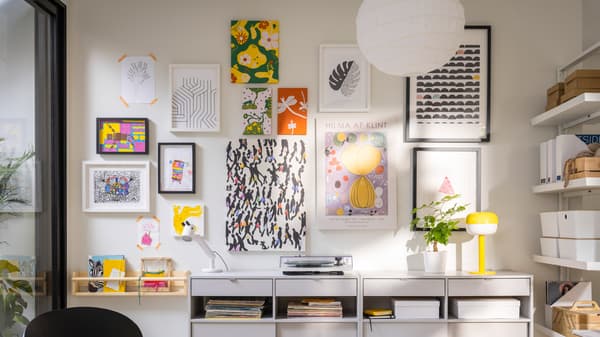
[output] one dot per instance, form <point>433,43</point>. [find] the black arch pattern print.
<point>451,94</point>
<point>194,105</point>
<point>265,196</point>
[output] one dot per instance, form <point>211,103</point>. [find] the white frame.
<point>324,78</point>
<point>87,186</point>
<point>217,69</point>
<point>355,222</point>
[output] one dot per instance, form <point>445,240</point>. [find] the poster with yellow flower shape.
<point>254,51</point>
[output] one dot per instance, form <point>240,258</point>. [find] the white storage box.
<point>579,224</point>
<point>549,222</point>
<point>579,250</point>
<point>485,308</point>
<point>549,247</point>
<point>416,309</point>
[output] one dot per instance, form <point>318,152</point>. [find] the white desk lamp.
<point>187,235</point>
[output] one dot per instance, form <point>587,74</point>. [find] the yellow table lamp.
<point>482,224</point>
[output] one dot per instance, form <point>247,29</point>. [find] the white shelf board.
<point>581,184</point>
<point>403,321</point>
<point>233,320</point>
<point>547,332</point>
<point>574,109</point>
<point>316,320</point>
<point>582,265</point>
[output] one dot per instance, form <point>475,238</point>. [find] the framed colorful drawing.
<point>195,97</point>
<point>452,104</point>
<point>116,187</point>
<point>122,135</point>
<point>257,111</point>
<point>438,172</point>
<point>292,111</point>
<point>176,167</point>
<point>255,51</point>
<point>344,79</point>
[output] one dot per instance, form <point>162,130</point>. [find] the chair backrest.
<point>82,322</point>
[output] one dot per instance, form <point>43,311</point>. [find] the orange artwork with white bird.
<point>292,111</point>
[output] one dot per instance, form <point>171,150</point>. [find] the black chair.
<point>82,322</point>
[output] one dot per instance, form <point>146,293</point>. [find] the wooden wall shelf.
<point>179,284</point>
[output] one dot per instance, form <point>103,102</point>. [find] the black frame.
<point>160,164</point>
<point>443,149</point>
<point>487,138</point>
<point>101,120</point>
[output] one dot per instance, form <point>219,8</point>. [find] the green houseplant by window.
<point>9,190</point>
<point>439,221</point>
<point>11,299</point>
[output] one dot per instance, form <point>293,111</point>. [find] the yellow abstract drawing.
<point>114,268</point>
<point>188,216</point>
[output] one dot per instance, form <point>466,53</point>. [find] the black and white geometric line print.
<point>194,105</point>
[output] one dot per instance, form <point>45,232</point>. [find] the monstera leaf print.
<point>345,78</point>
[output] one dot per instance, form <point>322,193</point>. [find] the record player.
<point>315,265</point>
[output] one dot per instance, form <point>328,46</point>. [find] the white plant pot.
<point>435,262</point>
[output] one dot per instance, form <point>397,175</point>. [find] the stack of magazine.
<point>234,309</point>
<point>315,307</point>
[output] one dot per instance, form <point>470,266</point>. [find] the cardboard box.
<point>582,315</point>
<point>549,221</point>
<point>416,308</point>
<point>579,224</point>
<point>553,95</point>
<point>485,308</point>
<point>549,247</point>
<point>566,147</point>
<point>583,79</point>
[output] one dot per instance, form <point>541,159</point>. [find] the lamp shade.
<point>482,223</point>
<point>409,37</point>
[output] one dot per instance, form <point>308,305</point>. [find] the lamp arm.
<point>212,254</point>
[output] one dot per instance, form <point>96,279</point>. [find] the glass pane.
<point>18,204</point>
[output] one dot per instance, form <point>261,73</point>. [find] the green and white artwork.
<point>257,104</point>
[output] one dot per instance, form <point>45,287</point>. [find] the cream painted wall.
<point>525,38</point>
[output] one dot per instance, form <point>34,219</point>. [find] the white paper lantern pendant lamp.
<point>409,37</point>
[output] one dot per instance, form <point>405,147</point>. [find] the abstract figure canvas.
<point>344,79</point>
<point>116,186</point>
<point>122,135</point>
<point>255,51</point>
<point>257,110</point>
<point>355,176</point>
<point>265,196</point>
<point>195,97</point>
<point>292,111</point>
<point>137,80</point>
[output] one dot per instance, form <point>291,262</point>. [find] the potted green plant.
<point>9,190</point>
<point>439,221</point>
<point>11,299</point>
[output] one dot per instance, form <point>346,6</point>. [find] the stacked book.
<point>234,309</point>
<point>315,307</point>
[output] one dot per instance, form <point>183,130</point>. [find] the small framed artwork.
<point>344,79</point>
<point>176,167</point>
<point>195,97</point>
<point>452,104</point>
<point>122,135</point>
<point>438,172</point>
<point>116,187</point>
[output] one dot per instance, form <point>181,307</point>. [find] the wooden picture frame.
<point>177,168</point>
<point>122,135</point>
<point>452,104</point>
<point>461,170</point>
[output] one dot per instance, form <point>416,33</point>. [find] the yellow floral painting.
<point>255,51</point>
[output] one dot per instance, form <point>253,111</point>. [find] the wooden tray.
<point>577,317</point>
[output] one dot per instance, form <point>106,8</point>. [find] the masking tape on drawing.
<point>124,101</point>
<point>152,56</point>
<point>153,101</point>
<point>124,56</point>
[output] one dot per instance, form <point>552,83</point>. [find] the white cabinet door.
<point>489,287</point>
<point>316,287</point>
<point>232,287</point>
<point>487,329</point>
<point>388,329</point>
<point>403,287</point>
<point>212,329</point>
<point>317,330</point>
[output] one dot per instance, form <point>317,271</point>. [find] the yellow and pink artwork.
<point>122,135</point>
<point>255,51</point>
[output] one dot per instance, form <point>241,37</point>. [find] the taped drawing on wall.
<point>137,80</point>
<point>265,196</point>
<point>355,179</point>
<point>292,111</point>
<point>257,107</point>
<point>148,232</point>
<point>255,51</point>
<point>195,97</point>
